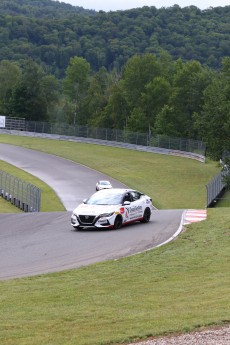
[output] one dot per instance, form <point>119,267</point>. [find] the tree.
<point>76,83</point>
<point>35,95</point>
<point>189,82</point>
<point>116,112</point>
<point>138,72</point>
<point>51,94</point>
<point>9,76</point>
<point>97,95</point>
<point>213,122</point>
<point>155,96</point>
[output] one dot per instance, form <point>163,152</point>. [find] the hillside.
<point>52,32</point>
<point>42,8</point>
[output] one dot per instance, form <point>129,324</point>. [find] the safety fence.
<point>15,123</point>
<point>23,195</point>
<point>196,147</point>
<point>215,190</point>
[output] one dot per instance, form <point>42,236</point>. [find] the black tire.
<point>146,215</point>
<point>118,222</point>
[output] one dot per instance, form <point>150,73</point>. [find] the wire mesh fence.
<point>118,135</point>
<point>151,140</point>
<point>23,195</point>
<point>216,191</point>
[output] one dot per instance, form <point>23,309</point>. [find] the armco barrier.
<point>23,195</point>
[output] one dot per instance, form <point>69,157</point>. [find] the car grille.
<point>87,220</point>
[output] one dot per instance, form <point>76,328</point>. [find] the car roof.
<point>115,191</point>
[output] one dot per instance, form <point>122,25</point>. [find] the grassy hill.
<point>179,287</point>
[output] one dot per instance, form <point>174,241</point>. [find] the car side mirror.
<point>84,201</point>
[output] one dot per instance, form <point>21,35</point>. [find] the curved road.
<point>37,243</point>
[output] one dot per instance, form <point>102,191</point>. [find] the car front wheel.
<point>118,223</point>
<point>146,216</point>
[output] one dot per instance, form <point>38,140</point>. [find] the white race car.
<point>112,208</point>
<point>103,185</point>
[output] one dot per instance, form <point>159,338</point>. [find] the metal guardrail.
<point>23,195</point>
<point>215,188</point>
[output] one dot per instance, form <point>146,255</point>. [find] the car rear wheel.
<point>118,223</point>
<point>146,216</point>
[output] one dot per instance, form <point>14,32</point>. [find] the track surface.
<point>37,243</point>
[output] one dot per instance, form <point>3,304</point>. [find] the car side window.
<point>136,195</point>
<point>127,197</point>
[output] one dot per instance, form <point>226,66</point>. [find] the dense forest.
<point>51,33</point>
<point>165,70</point>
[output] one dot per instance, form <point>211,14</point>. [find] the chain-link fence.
<point>196,147</point>
<point>216,191</point>
<point>117,135</point>
<point>23,195</point>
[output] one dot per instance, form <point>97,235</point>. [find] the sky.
<point>114,5</point>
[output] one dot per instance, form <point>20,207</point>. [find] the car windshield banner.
<point>2,121</point>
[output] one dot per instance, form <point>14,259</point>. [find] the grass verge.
<point>172,182</point>
<point>179,287</point>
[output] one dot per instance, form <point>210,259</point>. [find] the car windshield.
<point>105,199</point>
<point>104,182</point>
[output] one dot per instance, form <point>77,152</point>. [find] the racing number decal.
<point>122,210</point>
<point>125,212</point>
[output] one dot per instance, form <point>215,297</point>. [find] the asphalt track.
<point>38,243</point>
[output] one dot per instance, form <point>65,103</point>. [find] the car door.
<point>127,212</point>
<point>137,207</point>
<point>132,208</point>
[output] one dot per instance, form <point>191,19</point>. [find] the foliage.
<point>213,122</point>
<point>76,83</point>
<point>52,32</point>
<point>143,70</point>
<point>226,171</point>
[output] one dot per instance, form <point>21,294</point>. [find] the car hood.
<point>85,209</point>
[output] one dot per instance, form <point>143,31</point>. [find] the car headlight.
<point>106,214</point>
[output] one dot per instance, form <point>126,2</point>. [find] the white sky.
<point>114,5</point>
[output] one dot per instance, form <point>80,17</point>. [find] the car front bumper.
<point>92,222</point>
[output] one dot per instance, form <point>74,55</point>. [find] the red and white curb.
<point>188,217</point>
<point>193,216</point>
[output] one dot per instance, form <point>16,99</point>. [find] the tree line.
<point>51,32</point>
<point>151,93</point>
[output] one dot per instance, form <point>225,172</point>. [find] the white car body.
<point>103,185</point>
<point>112,208</point>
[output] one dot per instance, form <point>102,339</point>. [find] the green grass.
<point>182,286</point>
<point>225,200</point>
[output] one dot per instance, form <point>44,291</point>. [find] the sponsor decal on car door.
<point>135,210</point>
